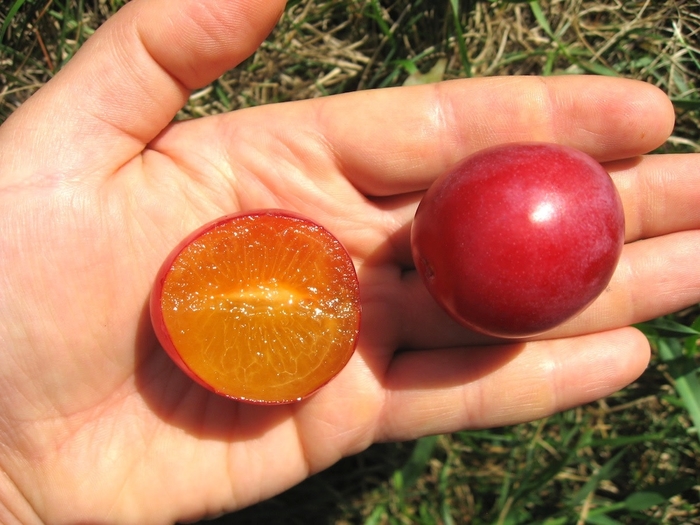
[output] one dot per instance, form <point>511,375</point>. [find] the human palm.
<point>96,188</point>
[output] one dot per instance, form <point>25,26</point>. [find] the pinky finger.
<point>438,391</point>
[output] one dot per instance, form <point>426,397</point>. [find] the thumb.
<point>127,83</point>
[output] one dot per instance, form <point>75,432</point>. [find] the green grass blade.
<point>691,346</point>
<point>668,327</point>
<point>14,8</point>
<point>696,323</point>
<point>685,376</point>
<point>549,64</point>
<point>534,481</point>
<point>376,517</point>
<point>621,441</point>
<point>597,69</point>
<point>375,13</point>
<point>605,472</point>
<point>657,495</point>
<point>415,465</point>
<point>602,519</point>
<point>688,104</point>
<point>464,57</point>
<point>541,19</point>
<point>598,513</point>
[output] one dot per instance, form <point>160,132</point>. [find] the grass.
<point>631,458</point>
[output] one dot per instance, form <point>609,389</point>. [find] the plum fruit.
<point>516,239</point>
<point>262,306</point>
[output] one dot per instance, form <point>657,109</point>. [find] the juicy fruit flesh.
<point>517,239</point>
<point>262,308</point>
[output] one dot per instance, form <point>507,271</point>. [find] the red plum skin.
<point>518,238</point>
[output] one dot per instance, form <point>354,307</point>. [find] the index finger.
<point>399,140</point>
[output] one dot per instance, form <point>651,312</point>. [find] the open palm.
<point>96,187</point>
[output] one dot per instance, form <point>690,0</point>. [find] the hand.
<point>96,187</point>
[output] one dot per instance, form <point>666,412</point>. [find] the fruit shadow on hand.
<point>461,358</point>
<point>430,350</point>
<point>179,401</point>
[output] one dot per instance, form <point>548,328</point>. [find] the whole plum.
<point>516,239</point>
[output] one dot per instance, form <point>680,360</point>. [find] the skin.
<point>98,425</point>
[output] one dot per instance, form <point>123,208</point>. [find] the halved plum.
<point>262,306</point>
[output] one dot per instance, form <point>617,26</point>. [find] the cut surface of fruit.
<point>262,307</point>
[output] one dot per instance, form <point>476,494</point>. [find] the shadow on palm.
<point>390,356</point>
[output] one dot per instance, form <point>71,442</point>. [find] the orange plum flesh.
<point>261,307</point>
